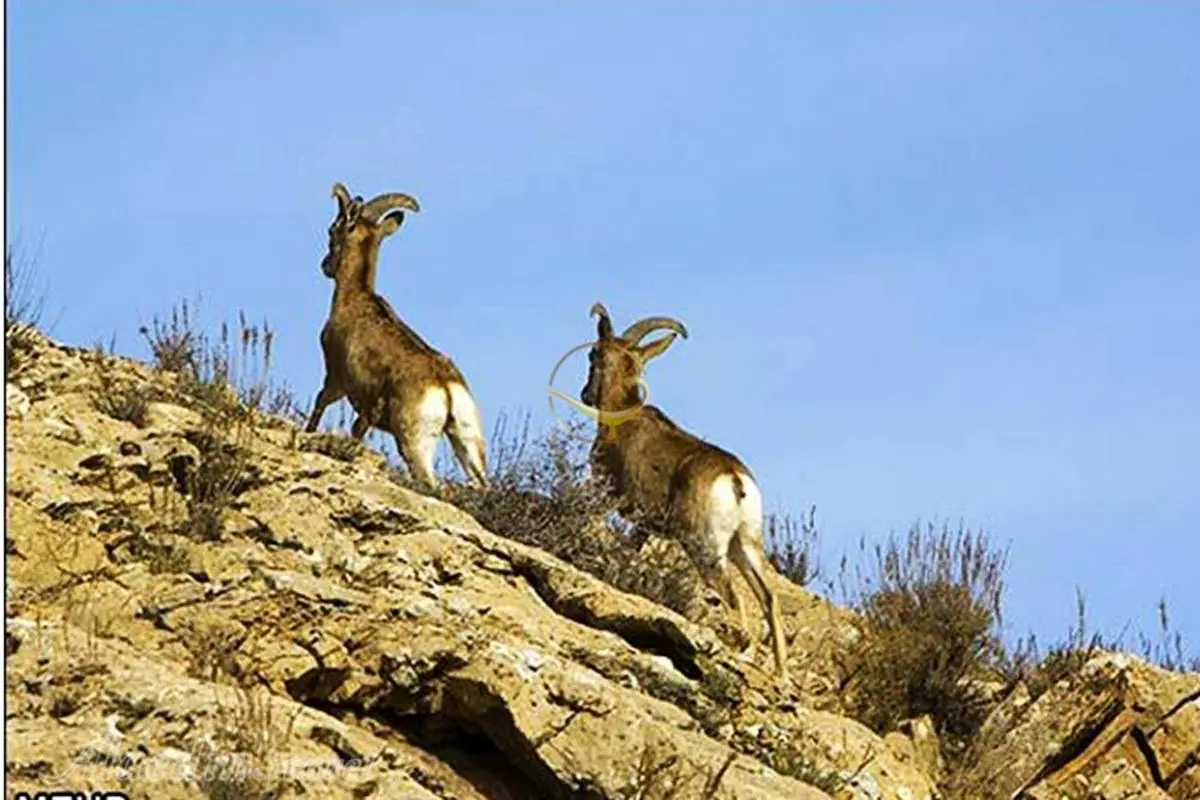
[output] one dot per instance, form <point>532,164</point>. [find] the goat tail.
<point>464,427</point>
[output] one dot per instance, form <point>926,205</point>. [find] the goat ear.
<point>656,348</point>
<point>604,328</point>
<point>391,223</point>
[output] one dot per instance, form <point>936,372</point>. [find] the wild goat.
<point>392,377</point>
<point>697,493</point>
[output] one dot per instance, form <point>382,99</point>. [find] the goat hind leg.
<point>470,456</point>
<point>714,569</point>
<point>418,451</point>
<point>749,561</point>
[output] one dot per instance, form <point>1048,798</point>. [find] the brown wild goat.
<point>392,377</point>
<point>693,491</point>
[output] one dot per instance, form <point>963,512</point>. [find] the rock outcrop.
<point>337,635</point>
<point>1118,729</point>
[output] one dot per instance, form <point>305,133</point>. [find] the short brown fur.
<point>380,364</point>
<point>667,476</point>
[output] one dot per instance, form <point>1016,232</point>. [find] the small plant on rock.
<point>662,775</point>
<point>114,396</point>
<point>340,446</point>
<point>23,305</point>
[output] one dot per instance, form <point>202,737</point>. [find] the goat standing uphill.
<point>392,377</point>
<point>705,497</point>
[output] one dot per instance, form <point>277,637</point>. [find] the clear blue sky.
<point>938,261</point>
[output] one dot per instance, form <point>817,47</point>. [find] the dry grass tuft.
<point>1040,670</point>
<point>792,545</point>
<point>238,764</point>
<point>113,395</point>
<point>24,303</point>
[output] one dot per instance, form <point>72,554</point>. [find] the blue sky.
<point>938,261</point>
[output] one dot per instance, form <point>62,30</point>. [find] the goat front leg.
<point>330,393</point>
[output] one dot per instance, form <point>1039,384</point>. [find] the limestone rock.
<point>1120,728</point>
<point>16,402</point>
<point>335,635</point>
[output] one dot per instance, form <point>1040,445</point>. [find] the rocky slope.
<point>340,636</point>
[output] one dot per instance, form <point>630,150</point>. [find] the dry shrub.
<point>240,761</point>
<point>23,306</point>
<point>161,556</point>
<point>790,752</point>
<point>929,616</point>
<point>212,646</point>
<point>121,401</point>
<point>542,494</point>
<point>1040,670</point>
<point>1168,652</point>
<point>221,475</point>
<point>338,445</point>
<point>227,380</point>
<point>238,765</point>
<point>792,543</point>
<point>228,374</point>
<point>115,396</point>
<point>660,774</point>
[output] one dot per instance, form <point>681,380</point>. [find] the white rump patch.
<point>725,501</point>
<point>432,413</point>
<point>728,513</point>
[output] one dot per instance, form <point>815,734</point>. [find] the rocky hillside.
<point>201,608</point>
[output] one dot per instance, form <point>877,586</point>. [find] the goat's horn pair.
<point>386,202</point>
<point>638,330</point>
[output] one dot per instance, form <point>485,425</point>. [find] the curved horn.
<point>386,202</point>
<point>638,330</point>
<point>342,194</point>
